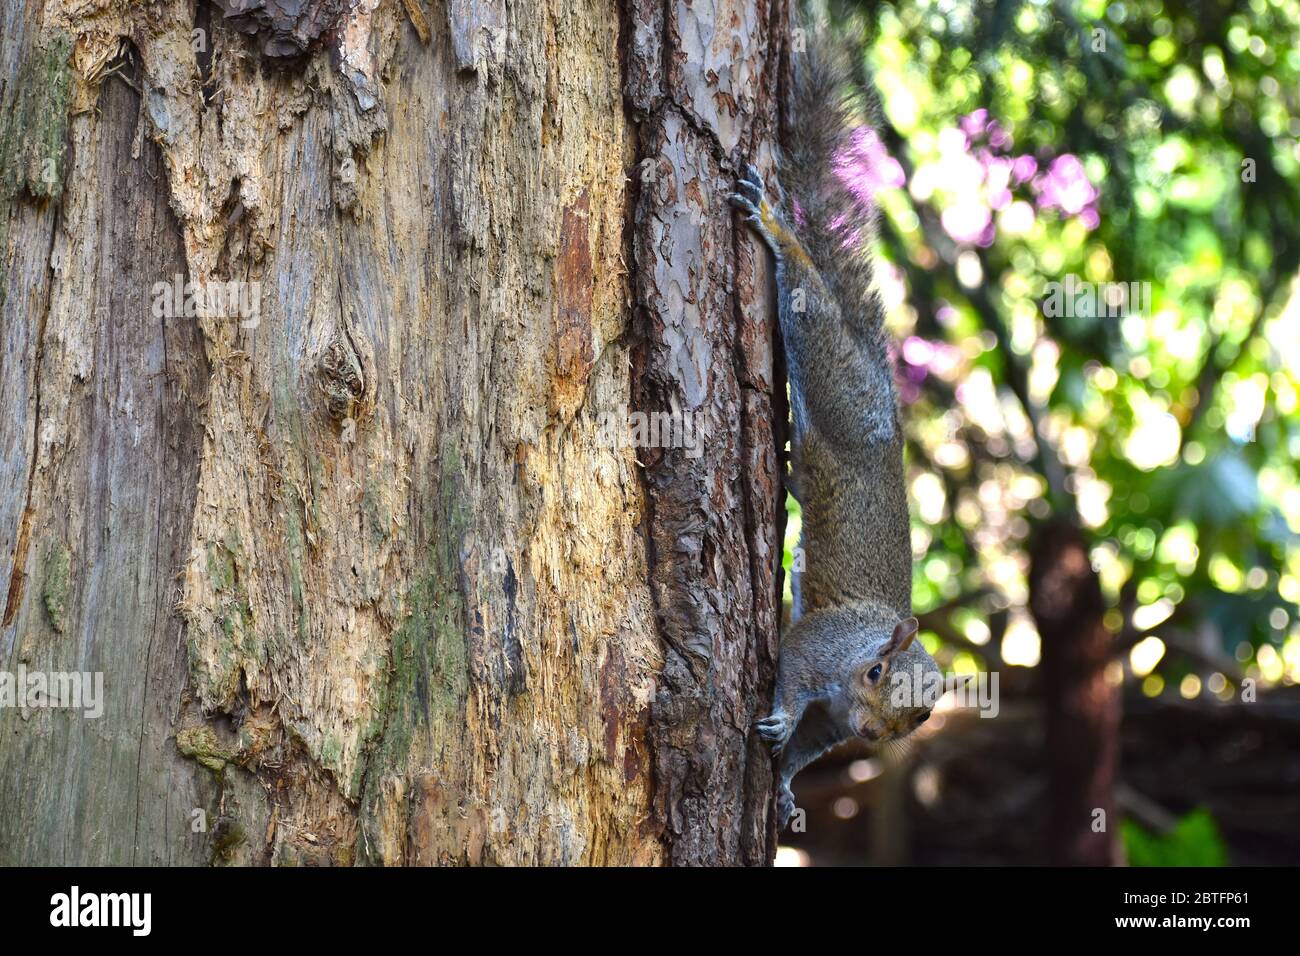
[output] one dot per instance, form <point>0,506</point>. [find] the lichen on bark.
<point>34,122</point>
<point>55,586</point>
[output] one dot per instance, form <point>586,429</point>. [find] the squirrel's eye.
<point>873,675</point>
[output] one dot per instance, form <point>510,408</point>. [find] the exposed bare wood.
<point>365,579</point>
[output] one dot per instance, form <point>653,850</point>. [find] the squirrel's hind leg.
<point>816,733</point>
<point>768,221</point>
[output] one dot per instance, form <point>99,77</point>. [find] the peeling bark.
<point>285,30</point>
<point>703,80</point>
<point>365,582</point>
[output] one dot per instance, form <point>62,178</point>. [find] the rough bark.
<point>1082,705</point>
<point>364,579</point>
<point>704,90</point>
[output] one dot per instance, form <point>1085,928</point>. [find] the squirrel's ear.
<point>904,634</point>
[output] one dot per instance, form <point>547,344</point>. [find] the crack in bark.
<point>18,574</point>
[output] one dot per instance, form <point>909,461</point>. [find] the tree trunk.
<point>1082,705</point>
<point>366,577</point>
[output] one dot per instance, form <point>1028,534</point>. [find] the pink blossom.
<point>931,355</point>
<point>1065,186</point>
<point>974,124</point>
<point>998,137</point>
<point>998,172</point>
<point>917,351</point>
<point>1023,169</point>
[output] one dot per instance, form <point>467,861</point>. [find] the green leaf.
<point>1194,841</point>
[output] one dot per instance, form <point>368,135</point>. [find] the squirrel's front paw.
<point>784,807</point>
<point>777,728</point>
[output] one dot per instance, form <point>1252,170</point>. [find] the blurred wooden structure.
<point>972,791</point>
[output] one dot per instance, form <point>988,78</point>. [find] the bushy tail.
<point>831,166</point>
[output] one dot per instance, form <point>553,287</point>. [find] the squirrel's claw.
<point>775,729</point>
<point>745,205</point>
<point>749,187</point>
<point>771,727</point>
<point>750,198</point>
<point>752,183</point>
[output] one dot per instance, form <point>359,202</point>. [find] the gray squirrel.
<point>849,663</point>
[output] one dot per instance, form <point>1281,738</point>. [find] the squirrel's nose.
<point>925,715</point>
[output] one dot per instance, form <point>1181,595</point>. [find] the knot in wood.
<point>342,379</point>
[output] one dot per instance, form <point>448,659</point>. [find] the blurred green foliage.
<point>1151,145</point>
<point>1194,841</point>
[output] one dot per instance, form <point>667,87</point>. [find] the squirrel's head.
<point>893,689</point>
